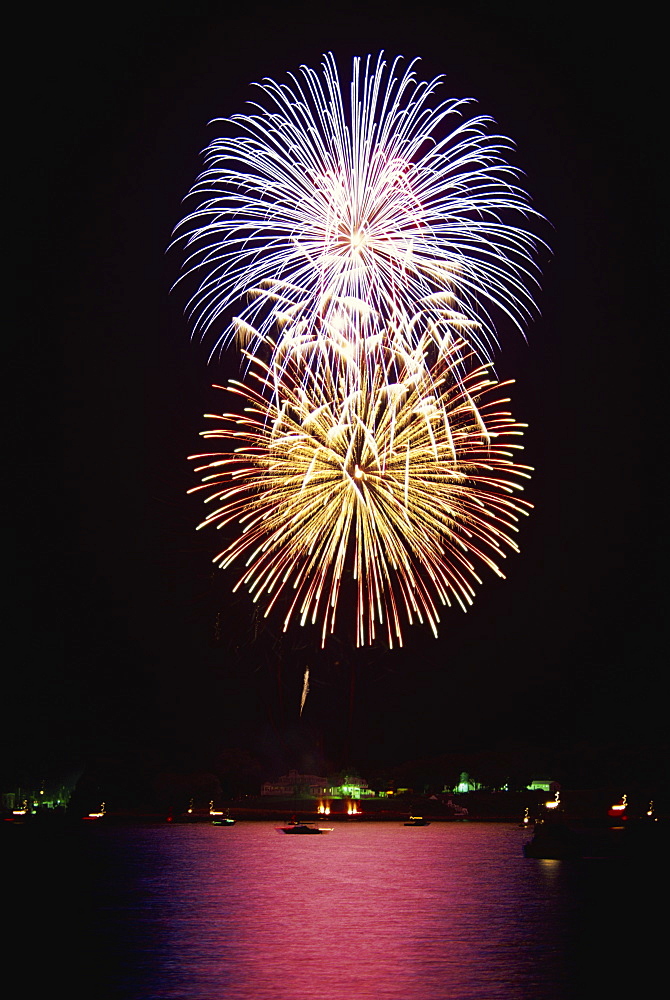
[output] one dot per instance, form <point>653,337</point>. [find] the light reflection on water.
<point>452,911</point>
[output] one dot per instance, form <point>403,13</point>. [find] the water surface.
<point>452,911</point>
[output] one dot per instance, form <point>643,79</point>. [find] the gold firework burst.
<point>374,469</point>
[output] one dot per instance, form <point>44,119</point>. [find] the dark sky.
<point>128,641</point>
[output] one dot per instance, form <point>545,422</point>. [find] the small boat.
<point>20,814</point>
<point>97,815</point>
<point>561,840</point>
<point>218,819</point>
<point>417,821</point>
<point>303,828</point>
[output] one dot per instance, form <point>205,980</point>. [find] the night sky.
<point>124,641</point>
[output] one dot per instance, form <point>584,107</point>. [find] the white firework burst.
<point>386,199</point>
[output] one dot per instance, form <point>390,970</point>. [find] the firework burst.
<point>386,198</point>
<point>374,473</point>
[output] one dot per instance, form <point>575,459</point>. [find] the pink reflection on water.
<point>329,918</point>
<point>370,911</point>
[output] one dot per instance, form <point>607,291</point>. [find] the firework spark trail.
<point>385,199</point>
<point>305,689</point>
<point>374,469</point>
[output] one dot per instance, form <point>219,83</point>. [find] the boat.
<point>223,821</point>
<point>303,828</point>
<point>555,838</point>
<point>417,821</point>
<point>218,819</point>
<point>100,814</point>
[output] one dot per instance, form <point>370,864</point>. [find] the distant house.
<point>350,787</point>
<point>310,786</point>
<point>466,784</point>
<point>543,785</point>
<point>297,786</point>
